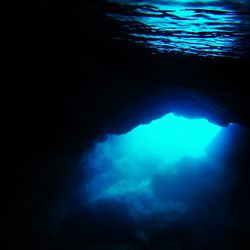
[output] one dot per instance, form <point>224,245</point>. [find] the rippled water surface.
<point>205,28</point>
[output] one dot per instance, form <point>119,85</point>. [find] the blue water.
<point>163,166</point>
<point>205,28</point>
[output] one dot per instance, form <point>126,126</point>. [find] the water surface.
<point>204,28</point>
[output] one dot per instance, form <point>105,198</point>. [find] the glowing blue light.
<point>124,166</point>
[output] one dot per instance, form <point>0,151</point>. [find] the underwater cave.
<point>168,175</point>
<point>131,165</point>
<point>126,125</point>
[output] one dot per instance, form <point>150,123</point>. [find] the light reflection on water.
<point>206,28</point>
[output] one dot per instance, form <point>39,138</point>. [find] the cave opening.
<point>163,182</point>
<point>165,167</point>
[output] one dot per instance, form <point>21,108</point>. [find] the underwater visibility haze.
<point>155,167</point>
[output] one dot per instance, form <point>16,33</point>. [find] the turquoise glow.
<point>205,27</point>
<point>124,167</point>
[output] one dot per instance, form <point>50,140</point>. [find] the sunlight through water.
<point>130,167</point>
